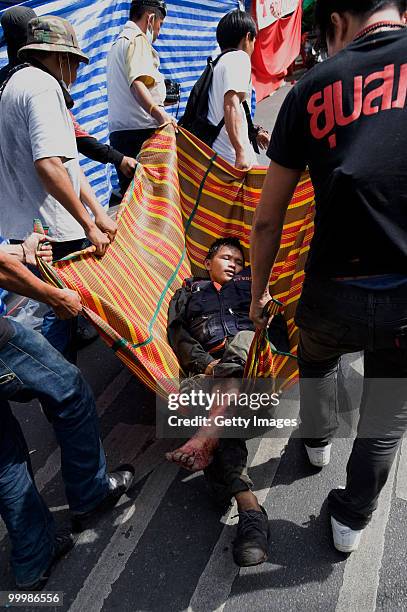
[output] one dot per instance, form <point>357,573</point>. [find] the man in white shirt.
<point>231,87</point>
<point>136,88</point>
<point>39,165</point>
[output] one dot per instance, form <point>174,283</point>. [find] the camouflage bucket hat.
<point>50,33</point>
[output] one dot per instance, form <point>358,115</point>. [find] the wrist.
<point>89,225</point>
<point>53,296</point>
<point>158,113</point>
<point>261,295</point>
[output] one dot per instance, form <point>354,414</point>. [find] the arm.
<point>278,189</point>
<point>57,183</point>
<point>105,154</point>
<point>102,219</point>
<point>190,353</point>
<point>233,124</point>
<point>30,248</point>
<point>14,276</point>
<point>92,148</point>
<point>141,75</point>
<point>102,153</point>
<point>143,96</point>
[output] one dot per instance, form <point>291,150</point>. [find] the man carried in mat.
<point>210,332</point>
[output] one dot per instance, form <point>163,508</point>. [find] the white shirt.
<point>132,57</point>
<point>34,124</point>
<point>232,73</point>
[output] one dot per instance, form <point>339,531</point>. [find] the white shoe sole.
<point>319,457</point>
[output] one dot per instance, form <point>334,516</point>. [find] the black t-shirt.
<point>347,120</point>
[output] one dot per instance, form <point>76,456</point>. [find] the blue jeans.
<point>30,367</point>
<point>335,318</point>
<point>61,334</point>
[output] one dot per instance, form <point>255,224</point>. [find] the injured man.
<point>210,332</point>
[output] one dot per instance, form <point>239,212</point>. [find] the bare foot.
<point>194,455</point>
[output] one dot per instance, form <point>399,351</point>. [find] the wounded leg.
<point>197,454</point>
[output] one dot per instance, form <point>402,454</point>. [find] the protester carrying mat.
<point>14,22</point>
<point>218,108</point>
<point>136,88</point>
<point>346,121</point>
<point>39,165</point>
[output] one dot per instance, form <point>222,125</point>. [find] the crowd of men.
<point>355,293</point>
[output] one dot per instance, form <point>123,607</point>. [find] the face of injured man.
<point>225,263</point>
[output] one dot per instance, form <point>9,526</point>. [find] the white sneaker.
<point>345,539</point>
<point>319,457</point>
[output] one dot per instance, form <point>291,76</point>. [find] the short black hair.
<point>137,10</point>
<point>325,8</point>
<point>233,27</point>
<point>221,242</point>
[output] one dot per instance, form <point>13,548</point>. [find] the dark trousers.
<point>128,142</point>
<point>30,367</point>
<point>334,319</point>
<point>227,474</point>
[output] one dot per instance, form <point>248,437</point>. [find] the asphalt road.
<point>167,549</point>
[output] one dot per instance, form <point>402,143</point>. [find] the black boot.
<point>120,482</point>
<point>251,544</point>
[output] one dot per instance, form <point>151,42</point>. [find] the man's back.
<point>34,124</point>
<point>346,119</point>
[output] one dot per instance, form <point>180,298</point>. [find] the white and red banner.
<point>275,50</point>
<point>269,11</point>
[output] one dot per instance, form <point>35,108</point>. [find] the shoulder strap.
<point>218,57</point>
<point>214,62</point>
<point>10,74</point>
<point>250,127</point>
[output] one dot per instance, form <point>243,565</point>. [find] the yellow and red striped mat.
<point>182,198</point>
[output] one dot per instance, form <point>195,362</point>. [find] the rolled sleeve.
<point>140,62</point>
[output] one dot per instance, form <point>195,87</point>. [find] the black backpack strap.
<point>214,62</point>
<point>252,131</point>
<point>10,74</point>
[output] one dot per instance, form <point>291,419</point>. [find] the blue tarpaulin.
<point>186,40</point>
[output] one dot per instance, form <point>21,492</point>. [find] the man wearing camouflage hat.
<point>39,166</point>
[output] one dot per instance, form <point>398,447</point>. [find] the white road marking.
<point>362,571</point>
<point>216,581</point>
<point>98,585</point>
<point>401,483</point>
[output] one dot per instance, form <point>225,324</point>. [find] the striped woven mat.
<point>182,198</point>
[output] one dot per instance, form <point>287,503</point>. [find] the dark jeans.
<point>128,142</point>
<point>335,319</point>
<point>227,474</point>
<point>30,367</point>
